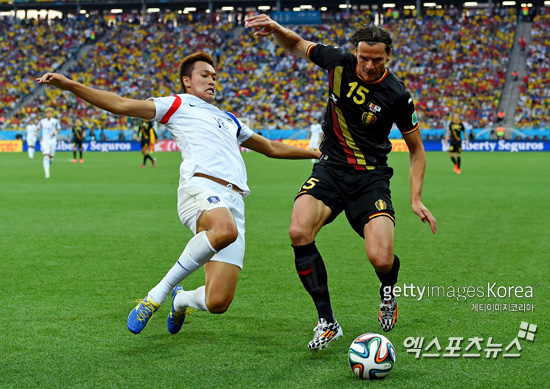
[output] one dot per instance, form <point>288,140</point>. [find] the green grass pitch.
<point>77,249</point>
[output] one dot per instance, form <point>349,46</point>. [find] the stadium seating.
<point>533,110</point>
<point>454,63</point>
<point>451,62</point>
<point>27,49</point>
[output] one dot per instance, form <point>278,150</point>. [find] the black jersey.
<point>456,129</point>
<point>78,134</point>
<point>360,114</point>
<point>146,132</point>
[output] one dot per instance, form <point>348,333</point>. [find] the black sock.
<point>458,162</point>
<point>74,154</point>
<point>151,158</point>
<point>313,274</point>
<point>145,159</point>
<point>80,154</point>
<point>454,160</point>
<point>388,280</point>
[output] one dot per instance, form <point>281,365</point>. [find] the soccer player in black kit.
<point>78,134</point>
<point>454,132</point>
<point>145,133</point>
<point>365,99</point>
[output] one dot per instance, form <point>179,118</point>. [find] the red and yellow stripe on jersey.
<point>354,155</point>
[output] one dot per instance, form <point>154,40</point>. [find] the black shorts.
<point>456,146</point>
<point>145,144</point>
<point>78,145</point>
<point>363,195</point>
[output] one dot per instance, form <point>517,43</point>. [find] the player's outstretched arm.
<point>417,158</point>
<point>274,149</point>
<point>102,99</point>
<point>286,38</point>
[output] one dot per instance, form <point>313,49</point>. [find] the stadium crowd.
<point>451,60</point>
<point>30,47</point>
<point>533,110</point>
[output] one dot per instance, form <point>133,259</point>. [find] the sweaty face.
<point>202,82</point>
<point>371,60</point>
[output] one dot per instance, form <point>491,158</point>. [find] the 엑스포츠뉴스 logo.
<point>380,205</point>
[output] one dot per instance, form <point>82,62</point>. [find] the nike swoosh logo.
<point>191,105</point>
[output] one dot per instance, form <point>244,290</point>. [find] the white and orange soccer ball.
<point>371,356</point>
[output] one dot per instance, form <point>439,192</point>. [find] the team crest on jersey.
<point>213,199</point>
<point>368,118</point>
<point>373,107</point>
<point>380,205</point>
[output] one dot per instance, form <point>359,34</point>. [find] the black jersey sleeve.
<point>327,57</point>
<point>406,120</point>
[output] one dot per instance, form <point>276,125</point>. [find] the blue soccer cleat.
<point>175,318</point>
<point>141,314</point>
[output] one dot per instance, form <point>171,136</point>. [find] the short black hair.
<point>186,67</point>
<point>372,35</point>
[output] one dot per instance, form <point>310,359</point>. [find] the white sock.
<point>197,252</point>
<point>191,298</point>
<point>46,164</point>
<point>31,152</point>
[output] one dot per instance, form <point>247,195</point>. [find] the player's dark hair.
<point>188,63</point>
<point>372,35</point>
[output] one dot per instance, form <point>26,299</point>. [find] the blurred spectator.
<point>522,44</point>
<point>500,132</point>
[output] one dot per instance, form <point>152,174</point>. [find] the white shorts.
<point>200,194</point>
<point>48,148</point>
<point>31,141</point>
<point>314,142</point>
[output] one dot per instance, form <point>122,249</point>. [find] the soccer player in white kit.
<point>213,184</point>
<point>31,133</point>
<point>315,131</point>
<point>50,127</point>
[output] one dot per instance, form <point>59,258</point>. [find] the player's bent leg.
<point>379,237</point>
<point>197,252</point>
<point>220,285</point>
<point>308,217</point>
<point>220,227</point>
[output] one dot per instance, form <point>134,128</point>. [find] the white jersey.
<point>207,137</point>
<point>315,131</point>
<point>49,128</point>
<point>30,131</point>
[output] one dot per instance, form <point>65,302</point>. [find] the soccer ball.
<point>371,356</point>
